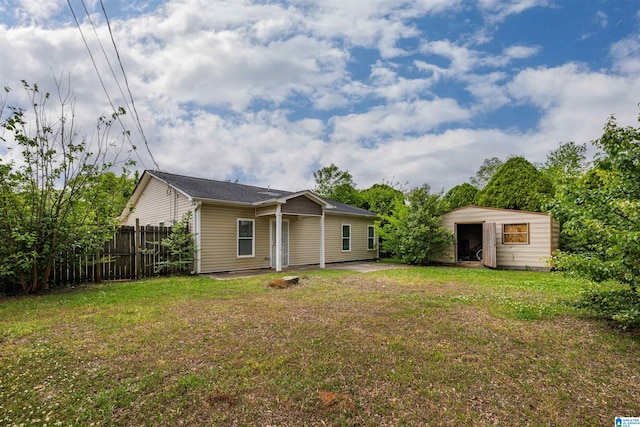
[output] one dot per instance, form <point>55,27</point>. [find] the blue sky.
<point>266,92</point>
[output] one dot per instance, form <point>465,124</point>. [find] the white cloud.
<point>601,19</point>
<point>462,59</point>
<point>265,148</point>
<point>397,119</point>
<point>521,52</point>
<point>626,55</point>
<point>257,52</point>
<point>576,102</point>
<point>375,24</point>
<point>497,11</point>
<point>443,160</point>
<point>33,12</point>
<point>388,85</point>
<point>489,91</point>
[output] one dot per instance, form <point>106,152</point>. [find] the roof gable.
<point>223,191</point>
<point>231,192</point>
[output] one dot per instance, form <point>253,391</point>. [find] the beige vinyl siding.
<point>219,235</point>
<point>541,235</point>
<point>304,240</point>
<point>159,202</point>
<point>333,239</point>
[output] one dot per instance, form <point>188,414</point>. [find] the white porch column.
<point>197,218</point>
<point>278,238</point>
<point>322,239</point>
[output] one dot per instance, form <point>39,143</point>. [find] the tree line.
<point>410,219</point>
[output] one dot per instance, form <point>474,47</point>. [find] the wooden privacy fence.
<point>132,253</point>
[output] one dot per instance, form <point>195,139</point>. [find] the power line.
<point>124,97</point>
<point>95,66</point>
<point>126,82</point>
<point>105,54</point>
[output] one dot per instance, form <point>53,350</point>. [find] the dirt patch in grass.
<point>335,401</point>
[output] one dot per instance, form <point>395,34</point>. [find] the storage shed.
<point>501,238</point>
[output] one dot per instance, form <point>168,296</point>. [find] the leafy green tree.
<point>49,205</point>
<point>335,184</point>
<point>565,164</point>
<point>602,211</point>
<point>380,198</point>
<point>413,232</point>
<point>516,185</point>
<point>113,192</point>
<point>461,195</point>
<point>346,193</point>
<point>486,171</point>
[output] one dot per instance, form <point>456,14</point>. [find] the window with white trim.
<point>371,237</point>
<point>346,237</point>
<point>246,238</point>
<point>515,234</point>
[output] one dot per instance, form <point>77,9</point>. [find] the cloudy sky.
<point>268,91</point>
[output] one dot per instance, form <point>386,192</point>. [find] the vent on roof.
<point>269,193</point>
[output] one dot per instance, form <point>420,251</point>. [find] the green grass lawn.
<point>419,346</point>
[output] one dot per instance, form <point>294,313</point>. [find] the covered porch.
<point>293,217</point>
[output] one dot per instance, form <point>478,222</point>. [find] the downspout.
<point>196,236</point>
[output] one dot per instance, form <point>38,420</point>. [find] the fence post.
<point>138,255</point>
<point>97,265</point>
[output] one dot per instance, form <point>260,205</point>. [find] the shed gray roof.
<point>223,191</point>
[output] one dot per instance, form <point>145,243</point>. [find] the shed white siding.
<point>542,239</point>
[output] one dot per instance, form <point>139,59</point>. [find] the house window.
<point>246,237</point>
<point>515,234</point>
<point>371,237</point>
<point>346,237</point>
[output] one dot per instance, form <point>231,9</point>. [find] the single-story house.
<point>238,227</point>
<point>501,238</point>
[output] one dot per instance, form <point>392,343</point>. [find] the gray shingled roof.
<point>209,189</point>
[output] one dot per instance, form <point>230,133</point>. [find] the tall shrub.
<point>49,203</point>
<point>413,232</point>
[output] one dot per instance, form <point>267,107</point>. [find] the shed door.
<point>489,244</point>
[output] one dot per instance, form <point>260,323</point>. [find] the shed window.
<point>346,237</point>
<point>246,237</point>
<point>515,234</point>
<point>371,237</point>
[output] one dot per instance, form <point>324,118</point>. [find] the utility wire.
<point>95,66</point>
<point>126,82</point>
<point>106,57</point>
